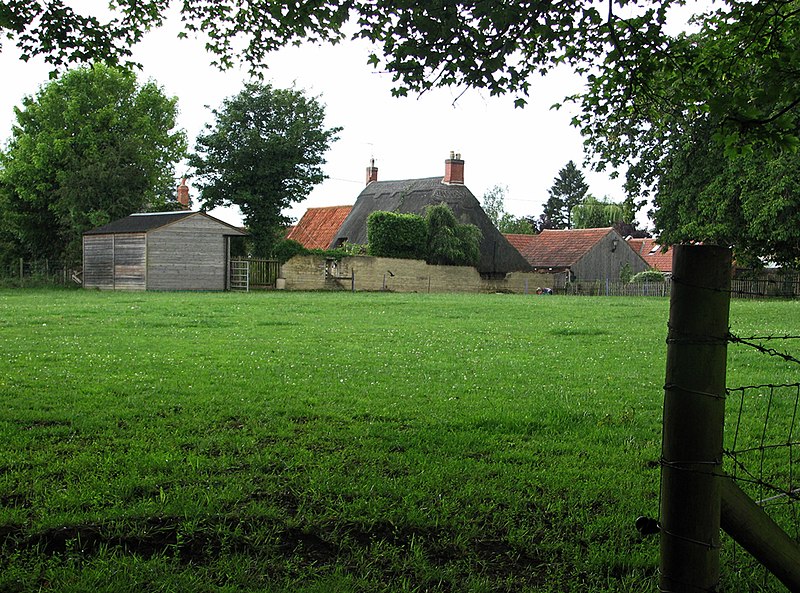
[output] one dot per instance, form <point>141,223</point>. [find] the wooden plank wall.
<point>98,261</point>
<point>130,256</point>
<point>601,263</point>
<point>189,254</point>
<point>114,261</point>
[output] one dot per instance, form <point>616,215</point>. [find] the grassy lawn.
<point>314,442</point>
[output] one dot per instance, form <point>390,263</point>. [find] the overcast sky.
<point>411,137</point>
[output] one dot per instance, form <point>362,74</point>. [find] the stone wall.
<point>309,272</point>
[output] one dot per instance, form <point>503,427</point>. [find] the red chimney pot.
<point>454,169</point>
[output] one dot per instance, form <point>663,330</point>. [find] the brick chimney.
<point>372,172</point>
<point>183,194</point>
<point>454,169</point>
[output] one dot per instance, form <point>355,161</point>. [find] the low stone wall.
<point>309,272</point>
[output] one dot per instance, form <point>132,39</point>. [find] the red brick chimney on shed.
<point>183,194</point>
<point>454,169</point>
<point>372,172</point>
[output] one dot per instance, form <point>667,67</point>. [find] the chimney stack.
<point>183,194</point>
<point>454,169</point>
<point>372,172</point>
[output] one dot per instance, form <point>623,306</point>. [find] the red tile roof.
<point>561,248</point>
<point>318,226</point>
<point>519,242</point>
<point>651,252</point>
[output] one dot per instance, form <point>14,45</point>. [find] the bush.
<point>648,276</point>
<point>390,234</point>
<point>448,242</point>
<point>286,249</point>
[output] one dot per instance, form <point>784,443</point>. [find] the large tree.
<point>568,190</point>
<point>264,152</point>
<point>91,146</point>
<point>593,213</point>
<point>749,200</point>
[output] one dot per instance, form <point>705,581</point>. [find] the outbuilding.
<point>582,254</point>
<point>159,251</point>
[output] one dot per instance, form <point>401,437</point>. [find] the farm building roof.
<point>519,242</point>
<point>413,196</point>
<point>653,254</point>
<point>318,226</point>
<point>143,222</point>
<point>554,248</point>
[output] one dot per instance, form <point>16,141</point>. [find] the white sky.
<point>522,149</point>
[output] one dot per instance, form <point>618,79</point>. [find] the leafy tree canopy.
<point>493,205</point>
<point>750,201</point>
<point>264,152</point>
<point>739,65</point>
<point>90,147</point>
<point>592,213</point>
<point>568,190</point>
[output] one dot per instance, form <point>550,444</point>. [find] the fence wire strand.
<point>762,449</point>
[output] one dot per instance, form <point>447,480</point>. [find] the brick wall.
<point>308,272</point>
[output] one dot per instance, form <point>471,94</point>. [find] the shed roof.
<point>653,254</point>
<point>553,248</point>
<point>413,196</point>
<point>147,221</point>
<point>518,241</point>
<point>318,226</point>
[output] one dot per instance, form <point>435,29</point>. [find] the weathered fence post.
<point>694,409</point>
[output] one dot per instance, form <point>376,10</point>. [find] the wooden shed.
<point>583,254</point>
<point>159,251</point>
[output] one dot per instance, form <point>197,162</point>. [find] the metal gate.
<point>240,274</point>
<point>254,273</point>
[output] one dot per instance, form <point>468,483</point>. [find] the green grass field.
<point>315,442</point>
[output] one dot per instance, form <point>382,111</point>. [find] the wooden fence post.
<point>694,410</point>
<point>756,532</point>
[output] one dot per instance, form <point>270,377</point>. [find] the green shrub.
<point>286,249</point>
<point>448,242</point>
<point>648,276</point>
<point>391,234</point>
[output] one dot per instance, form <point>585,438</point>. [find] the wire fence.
<point>786,286</point>
<point>762,452</point>
<point>40,272</point>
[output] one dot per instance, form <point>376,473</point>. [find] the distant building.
<point>413,196</point>
<point>654,254</point>
<point>581,254</point>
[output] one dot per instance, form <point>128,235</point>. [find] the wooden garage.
<point>159,251</point>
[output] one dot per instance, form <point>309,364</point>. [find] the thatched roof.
<point>413,196</point>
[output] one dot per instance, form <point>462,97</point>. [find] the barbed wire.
<point>752,342</point>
